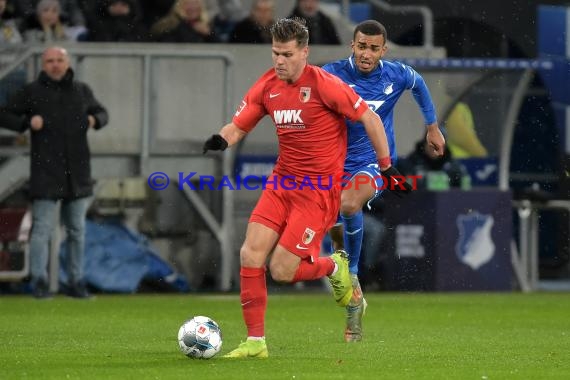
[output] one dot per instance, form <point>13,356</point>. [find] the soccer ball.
<point>200,338</point>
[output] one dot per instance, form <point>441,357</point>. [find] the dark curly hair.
<point>371,28</point>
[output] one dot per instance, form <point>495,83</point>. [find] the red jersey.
<point>309,117</point>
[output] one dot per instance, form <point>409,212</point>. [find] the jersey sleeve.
<point>339,97</point>
<point>420,91</point>
<point>251,108</point>
<point>409,75</point>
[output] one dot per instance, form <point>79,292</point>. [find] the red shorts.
<point>300,217</point>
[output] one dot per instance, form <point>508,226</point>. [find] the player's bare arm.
<point>229,135</point>
<point>232,134</point>
<point>375,130</point>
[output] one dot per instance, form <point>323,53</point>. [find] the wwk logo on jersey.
<point>287,117</point>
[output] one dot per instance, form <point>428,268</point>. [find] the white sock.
<point>335,269</point>
<point>255,338</point>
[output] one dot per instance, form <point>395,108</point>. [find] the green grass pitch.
<point>407,336</point>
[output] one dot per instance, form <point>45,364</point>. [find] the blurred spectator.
<point>71,12</point>
<point>117,21</point>
<point>10,10</point>
<point>230,12</point>
<point>321,27</point>
<point>254,29</point>
<point>46,25</point>
<point>461,134</point>
<point>154,10</point>
<point>423,161</point>
<point>187,21</point>
<point>10,38</point>
<point>10,33</point>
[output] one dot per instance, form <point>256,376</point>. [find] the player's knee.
<point>248,257</point>
<point>350,206</point>
<point>281,273</point>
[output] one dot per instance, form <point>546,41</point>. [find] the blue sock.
<point>353,232</point>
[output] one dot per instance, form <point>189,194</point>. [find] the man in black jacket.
<point>255,28</point>
<point>321,28</point>
<point>59,111</point>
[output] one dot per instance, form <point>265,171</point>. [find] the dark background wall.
<point>472,28</point>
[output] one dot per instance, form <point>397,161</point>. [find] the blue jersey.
<point>381,89</point>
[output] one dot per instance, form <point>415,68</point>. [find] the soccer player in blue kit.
<point>380,83</point>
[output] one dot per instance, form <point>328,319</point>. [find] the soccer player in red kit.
<point>297,206</point>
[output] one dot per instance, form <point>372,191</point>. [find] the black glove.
<point>397,182</point>
<point>216,142</point>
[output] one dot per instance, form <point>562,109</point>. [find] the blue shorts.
<point>371,170</point>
